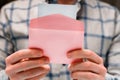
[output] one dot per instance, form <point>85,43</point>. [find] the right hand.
<point>27,64</point>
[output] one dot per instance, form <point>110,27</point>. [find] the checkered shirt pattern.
<point>102,34</point>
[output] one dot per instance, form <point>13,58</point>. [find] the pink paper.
<point>56,35</point>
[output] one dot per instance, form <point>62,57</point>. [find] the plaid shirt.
<point>102,34</point>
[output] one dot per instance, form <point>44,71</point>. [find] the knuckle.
<point>8,71</point>
<point>101,60</point>
<point>76,75</point>
<point>89,53</point>
<point>73,67</point>
<point>104,70</point>
<point>46,68</point>
<point>73,75</point>
<point>7,60</point>
<point>70,67</point>
<point>19,53</point>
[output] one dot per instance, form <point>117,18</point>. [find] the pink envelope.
<point>56,35</point>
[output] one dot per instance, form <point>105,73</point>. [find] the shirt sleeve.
<point>3,75</point>
<point>6,43</point>
<point>114,53</point>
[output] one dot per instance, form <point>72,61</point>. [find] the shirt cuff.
<point>111,77</point>
<point>3,75</point>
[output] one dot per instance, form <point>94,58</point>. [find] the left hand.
<point>92,69</point>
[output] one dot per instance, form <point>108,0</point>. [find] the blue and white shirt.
<point>102,34</point>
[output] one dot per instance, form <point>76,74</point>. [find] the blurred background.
<point>112,2</point>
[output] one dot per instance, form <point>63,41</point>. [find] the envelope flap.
<point>58,22</point>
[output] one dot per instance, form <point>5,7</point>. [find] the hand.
<point>92,69</point>
<point>27,64</point>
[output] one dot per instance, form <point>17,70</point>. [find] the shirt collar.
<point>55,1</point>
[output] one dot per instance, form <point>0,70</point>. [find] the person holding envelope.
<point>97,60</point>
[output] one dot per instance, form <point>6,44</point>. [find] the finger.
<point>33,73</point>
<point>76,61</point>
<point>23,54</point>
<point>85,54</point>
<point>37,77</point>
<point>26,65</point>
<point>88,66</point>
<point>43,57</point>
<point>85,76</point>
